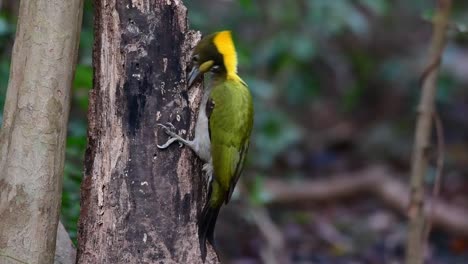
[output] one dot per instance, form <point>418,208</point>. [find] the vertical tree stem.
<point>414,254</point>
<point>139,204</point>
<point>33,136</point>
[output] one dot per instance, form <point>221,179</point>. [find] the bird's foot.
<point>170,129</point>
<point>207,174</point>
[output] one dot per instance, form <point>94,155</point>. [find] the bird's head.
<point>215,53</point>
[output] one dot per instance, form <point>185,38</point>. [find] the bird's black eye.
<point>215,68</point>
<point>195,58</point>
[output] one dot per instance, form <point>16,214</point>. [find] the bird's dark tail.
<point>206,226</point>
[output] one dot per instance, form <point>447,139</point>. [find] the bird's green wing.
<point>240,161</point>
<point>230,125</point>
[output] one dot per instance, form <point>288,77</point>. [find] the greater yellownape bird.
<point>224,124</point>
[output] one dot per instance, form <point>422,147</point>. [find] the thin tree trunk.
<point>415,242</point>
<point>139,204</point>
<point>32,139</point>
<point>65,253</point>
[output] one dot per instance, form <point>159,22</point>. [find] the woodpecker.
<point>223,128</point>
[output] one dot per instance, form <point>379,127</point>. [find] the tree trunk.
<point>32,139</point>
<point>139,204</point>
<point>65,252</point>
<point>417,217</point>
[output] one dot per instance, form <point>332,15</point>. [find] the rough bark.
<point>139,204</point>
<point>32,139</point>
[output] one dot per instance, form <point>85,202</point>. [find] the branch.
<point>440,168</point>
<point>375,181</point>
<point>422,135</point>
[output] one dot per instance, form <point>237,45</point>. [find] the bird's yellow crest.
<point>225,45</point>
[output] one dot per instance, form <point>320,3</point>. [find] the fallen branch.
<point>376,181</point>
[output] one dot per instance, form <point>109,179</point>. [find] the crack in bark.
<point>151,197</point>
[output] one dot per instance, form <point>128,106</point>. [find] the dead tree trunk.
<point>32,139</point>
<point>139,204</point>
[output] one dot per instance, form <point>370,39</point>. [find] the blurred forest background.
<point>336,85</point>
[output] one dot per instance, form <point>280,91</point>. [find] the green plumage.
<point>223,128</point>
<point>224,124</point>
<point>230,124</point>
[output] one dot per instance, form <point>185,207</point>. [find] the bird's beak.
<point>193,75</point>
<point>199,70</point>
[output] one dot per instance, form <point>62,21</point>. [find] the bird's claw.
<point>171,126</point>
<point>169,142</point>
<point>170,129</point>
<point>207,174</point>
